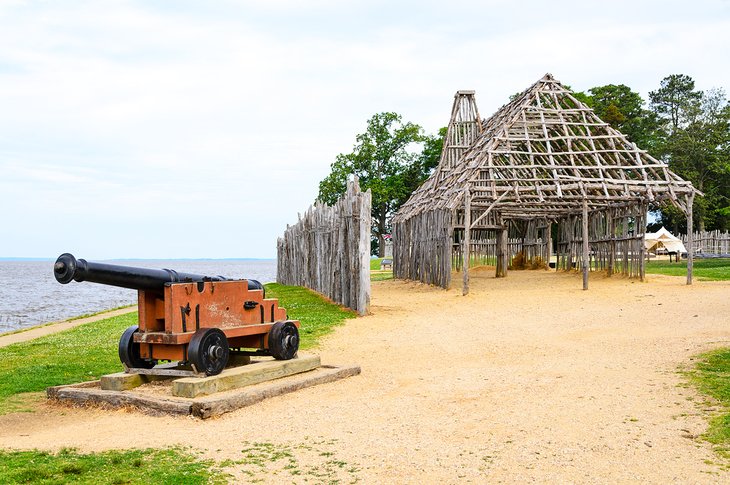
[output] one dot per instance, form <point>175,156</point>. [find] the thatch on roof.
<point>543,158</point>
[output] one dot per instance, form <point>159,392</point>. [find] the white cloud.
<point>143,117</point>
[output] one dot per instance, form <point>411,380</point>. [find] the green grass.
<point>388,275</point>
<point>375,263</point>
<point>313,460</point>
<point>169,466</point>
<point>711,375</point>
<point>703,269</point>
<point>317,316</point>
<point>375,266</point>
<point>79,354</point>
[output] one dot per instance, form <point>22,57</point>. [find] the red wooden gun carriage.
<point>189,318</point>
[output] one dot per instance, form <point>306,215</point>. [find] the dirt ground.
<point>526,379</point>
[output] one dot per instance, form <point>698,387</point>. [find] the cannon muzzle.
<point>68,268</point>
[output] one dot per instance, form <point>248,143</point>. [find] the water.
<point>30,295</point>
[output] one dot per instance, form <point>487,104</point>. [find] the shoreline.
<point>43,329</point>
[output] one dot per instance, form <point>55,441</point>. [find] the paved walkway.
<point>42,330</point>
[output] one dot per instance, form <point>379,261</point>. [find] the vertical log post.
<point>585,244</point>
<point>501,249</point>
<point>612,243</point>
<point>467,240</point>
<point>549,245</point>
<point>642,247</point>
<point>505,248</point>
<point>690,239</point>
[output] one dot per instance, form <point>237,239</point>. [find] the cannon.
<point>189,318</point>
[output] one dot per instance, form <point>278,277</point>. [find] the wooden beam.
<point>586,256</point>
<point>549,248</point>
<point>642,248</point>
<point>690,240</point>
<point>489,209</point>
<point>243,376</point>
<point>467,240</point>
<point>502,251</point>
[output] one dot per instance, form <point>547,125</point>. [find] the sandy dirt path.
<point>527,379</point>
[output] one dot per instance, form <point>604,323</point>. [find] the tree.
<point>675,100</point>
<point>622,108</point>
<point>384,161</point>
<point>695,142</point>
<point>427,161</point>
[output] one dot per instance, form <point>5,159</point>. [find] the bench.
<point>386,263</point>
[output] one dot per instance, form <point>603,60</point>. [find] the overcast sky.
<point>188,129</point>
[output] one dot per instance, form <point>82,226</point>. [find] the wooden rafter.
<point>541,155</point>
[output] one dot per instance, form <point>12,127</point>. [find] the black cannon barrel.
<point>68,268</point>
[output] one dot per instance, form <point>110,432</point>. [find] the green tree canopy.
<point>675,100</point>
<point>622,108</point>
<point>386,161</point>
<point>695,142</point>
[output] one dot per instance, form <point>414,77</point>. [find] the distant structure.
<point>544,158</point>
<point>664,240</point>
<point>388,246</point>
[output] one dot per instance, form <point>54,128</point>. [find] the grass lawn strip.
<point>703,269</point>
<point>169,466</point>
<point>376,274</point>
<point>711,376</point>
<point>315,460</point>
<point>82,353</point>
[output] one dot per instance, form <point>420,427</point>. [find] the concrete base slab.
<point>156,398</point>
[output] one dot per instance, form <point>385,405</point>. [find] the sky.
<point>187,129</point>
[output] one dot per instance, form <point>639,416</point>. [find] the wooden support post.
<point>467,240</point>
<point>498,253</point>
<point>549,248</point>
<point>585,244</point>
<point>501,250</point>
<point>570,230</point>
<point>612,244</point>
<point>642,246</point>
<point>505,249</point>
<point>690,239</point>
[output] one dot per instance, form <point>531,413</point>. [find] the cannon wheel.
<point>283,340</point>
<point>129,351</point>
<point>208,351</point>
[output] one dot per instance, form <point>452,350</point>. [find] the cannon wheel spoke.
<point>208,351</point>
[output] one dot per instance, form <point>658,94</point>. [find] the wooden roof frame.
<point>542,155</point>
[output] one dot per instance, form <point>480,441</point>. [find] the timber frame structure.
<point>544,158</point>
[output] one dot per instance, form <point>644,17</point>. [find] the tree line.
<point>687,128</point>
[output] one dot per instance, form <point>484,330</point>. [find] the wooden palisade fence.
<point>328,250</point>
<point>710,242</point>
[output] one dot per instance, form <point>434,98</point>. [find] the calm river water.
<point>29,294</point>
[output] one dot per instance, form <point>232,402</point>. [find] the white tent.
<point>663,239</point>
